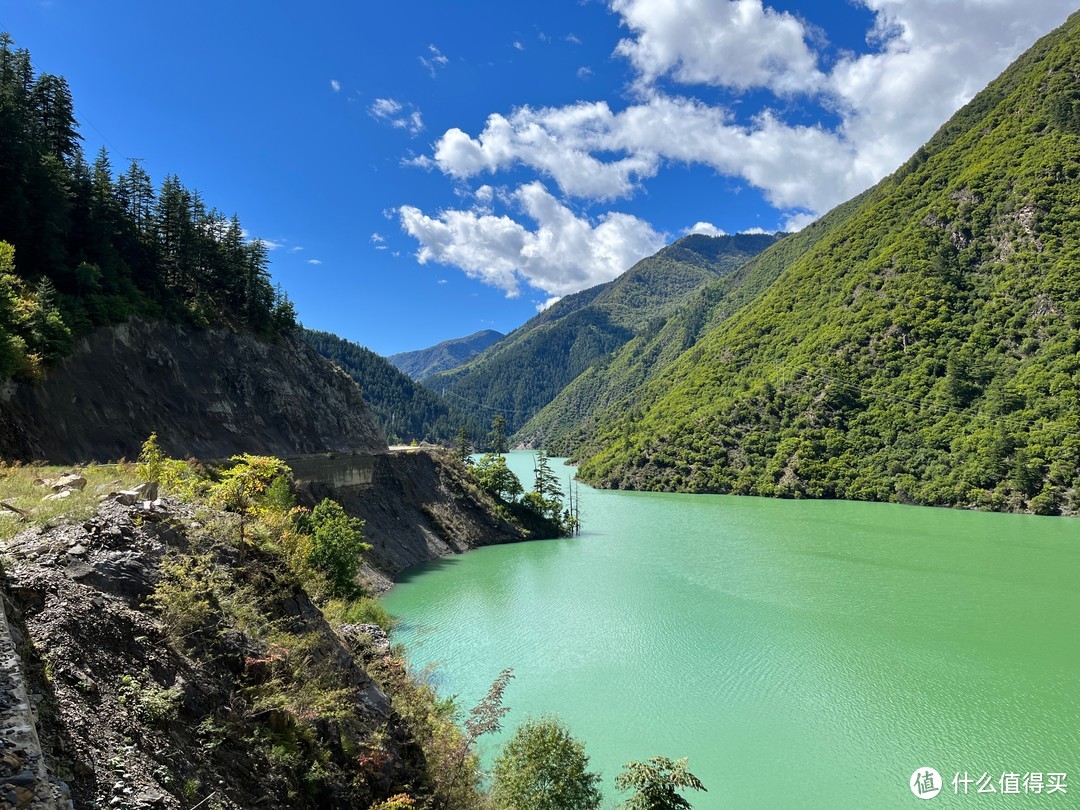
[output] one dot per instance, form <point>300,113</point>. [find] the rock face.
<point>208,393</point>
<point>417,506</point>
<point>133,718</point>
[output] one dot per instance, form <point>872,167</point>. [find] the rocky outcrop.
<point>208,393</point>
<point>418,505</point>
<point>131,716</point>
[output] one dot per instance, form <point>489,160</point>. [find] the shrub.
<point>337,545</point>
<point>543,767</point>
<point>656,784</point>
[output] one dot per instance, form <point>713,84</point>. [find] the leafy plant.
<point>337,545</point>
<point>543,767</point>
<point>656,784</point>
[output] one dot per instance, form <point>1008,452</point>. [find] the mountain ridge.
<point>521,373</point>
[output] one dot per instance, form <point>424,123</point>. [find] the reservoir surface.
<point>808,654</point>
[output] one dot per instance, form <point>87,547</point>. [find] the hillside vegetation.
<point>404,409</point>
<point>617,381</point>
<point>524,371</point>
<point>924,350</point>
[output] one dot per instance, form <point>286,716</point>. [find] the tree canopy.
<point>85,245</point>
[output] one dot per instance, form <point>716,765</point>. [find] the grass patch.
<point>18,489</point>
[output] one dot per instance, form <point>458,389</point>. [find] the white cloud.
<point>398,115</point>
<point>540,307</point>
<point>563,254</point>
<point>377,237</point>
<point>927,61</point>
<point>584,72</point>
<point>796,166</point>
<point>573,39</point>
<point>385,108</point>
<point>313,261</point>
<point>270,244</point>
<point>518,45</point>
<point>434,60</point>
<point>706,228</point>
<point>796,222</point>
<point>441,281</point>
<point>335,85</point>
<point>295,249</point>
<point>738,44</point>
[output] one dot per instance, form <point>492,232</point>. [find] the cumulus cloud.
<point>314,261</point>
<point>584,72</point>
<point>335,85</point>
<point>706,228</point>
<point>564,253</point>
<point>926,62</point>
<point>398,115</point>
<point>739,44</point>
<point>518,45</point>
<point>796,166</point>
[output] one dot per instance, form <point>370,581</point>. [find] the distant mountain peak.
<point>445,356</point>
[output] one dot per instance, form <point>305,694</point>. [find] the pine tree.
<point>497,437</point>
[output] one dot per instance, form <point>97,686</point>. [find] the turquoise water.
<point>801,653</point>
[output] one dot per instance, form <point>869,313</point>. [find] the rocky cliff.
<point>208,393</point>
<point>417,505</point>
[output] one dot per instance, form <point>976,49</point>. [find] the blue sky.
<point>423,170</point>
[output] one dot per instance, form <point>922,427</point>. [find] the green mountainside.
<point>524,371</point>
<point>444,356</point>
<point>616,382</point>
<point>403,408</point>
<point>925,349</point>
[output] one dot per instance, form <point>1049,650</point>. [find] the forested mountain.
<point>925,348</point>
<point>615,382</point>
<point>445,356</point>
<point>403,408</point>
<point>82,247</point>
<point>524,371</point>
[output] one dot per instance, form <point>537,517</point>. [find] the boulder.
<point>67,481</point>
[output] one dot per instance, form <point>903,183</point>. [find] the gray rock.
<point>68,480</point>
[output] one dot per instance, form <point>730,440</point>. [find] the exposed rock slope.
<point>208,393</point>
<point>230,707</point>
<point>419,505</point>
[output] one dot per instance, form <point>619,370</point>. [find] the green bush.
<point>337,545</point>
<point>542,767</point>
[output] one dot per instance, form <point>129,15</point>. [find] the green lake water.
<point>803,654</point>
